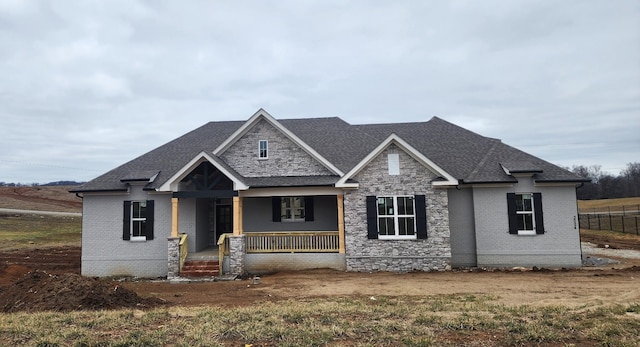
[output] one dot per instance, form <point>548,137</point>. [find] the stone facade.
<point>173,259</point>
<point>237,250</point>
<point>363,254</point>
<point>285,158</point>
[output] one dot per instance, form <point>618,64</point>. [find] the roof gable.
<point>263,115</point>
<point>447,179</point>
<point>172,183</point>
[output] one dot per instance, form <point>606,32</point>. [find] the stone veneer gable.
<point>363,254</point>
<point>285,158</point>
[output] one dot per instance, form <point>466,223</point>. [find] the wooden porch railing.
<point>293,242</point>
<point>184,249</point>
<point>223,246</point>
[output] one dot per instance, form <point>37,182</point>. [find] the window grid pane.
<point>396,216</point>
<point>292,208</point>
<point>263,148</point>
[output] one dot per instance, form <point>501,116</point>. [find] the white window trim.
<point>532,213</point>
<point>266,150</point>
<point>133,220</point>
<point>293,219</point>
<point>395,217</point>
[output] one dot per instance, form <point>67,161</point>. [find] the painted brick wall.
<point>105,253</point>
<point>559,246</point>
<point>363,254</point>
<point>285,157</point>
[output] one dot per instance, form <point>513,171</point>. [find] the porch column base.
<point>237,249</point>
<point>173,257</point>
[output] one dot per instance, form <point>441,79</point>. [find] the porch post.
<point>237,215</point>
<point>174,217</point>
<point>340,198</point>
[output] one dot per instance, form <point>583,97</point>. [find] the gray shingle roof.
<point>469,157</point>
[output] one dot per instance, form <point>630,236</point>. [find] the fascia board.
<point>172,183</point>
<point>414,153</point>
<point>262,114</point>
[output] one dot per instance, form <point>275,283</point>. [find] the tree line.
<point>604,185</point>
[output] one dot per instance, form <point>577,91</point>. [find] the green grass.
<point>30,231</point>
<point>446,320</point>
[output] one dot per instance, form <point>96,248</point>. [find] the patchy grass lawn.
<point>445,320</point>
<point>30,231</point>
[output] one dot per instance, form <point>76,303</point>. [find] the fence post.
<point>636,218</point>
<point>610,225</point>
<point>622,221</point>
<point>599,227</point>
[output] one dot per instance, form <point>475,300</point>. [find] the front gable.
<point>264,148</point>
<point>394,166</point>
<point>173,183</point>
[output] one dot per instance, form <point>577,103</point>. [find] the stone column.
<point>173,257</point>
<point>237,250</point>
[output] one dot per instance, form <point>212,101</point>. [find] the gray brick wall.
<point>285,157</point>
<point>105,253</point>
<point>560,244</point>
<point>363,254</point>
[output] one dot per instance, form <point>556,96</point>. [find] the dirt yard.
<point>603,285</point>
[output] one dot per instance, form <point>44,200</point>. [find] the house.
<point>323,193</point>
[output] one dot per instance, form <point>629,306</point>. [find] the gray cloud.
<point>89,85</point>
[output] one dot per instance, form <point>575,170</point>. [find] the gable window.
<point>525,213</point>
<point>393,161</point>
<point>263,149</point>
<point>138,220</point>
<point>396,217</point>
<point>292,208</point>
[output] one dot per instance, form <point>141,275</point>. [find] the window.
<point>396,217</point>
<point>292,208</point>
<point>525,213</point>
<point>393,161</point>
<point>138,220</point>
<point>263,149</point>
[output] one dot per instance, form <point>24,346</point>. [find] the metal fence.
<point>624,219</point>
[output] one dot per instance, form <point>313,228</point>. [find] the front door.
<point>224,220</point>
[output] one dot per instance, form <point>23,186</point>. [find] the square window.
<point>396,217</point>
<point>292,208</point>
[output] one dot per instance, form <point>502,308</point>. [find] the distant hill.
<point>40,198</point>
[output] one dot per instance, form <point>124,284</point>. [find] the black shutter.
<point>149,223</point>
<point>537,211</point>
<point>372,217</point>
<point>126,221</point>
<point>421,216</point>
<point>511,210</point>
<point>308,208</point>
<point>276,209</point>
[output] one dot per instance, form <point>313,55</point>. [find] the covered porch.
<point>255,230</point>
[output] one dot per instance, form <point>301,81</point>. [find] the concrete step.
<point>200,268</point>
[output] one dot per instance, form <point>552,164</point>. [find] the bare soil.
<point>19,274</point>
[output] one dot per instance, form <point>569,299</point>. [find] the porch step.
<point>200,268</point>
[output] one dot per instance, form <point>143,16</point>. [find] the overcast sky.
<point>88,85</point>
